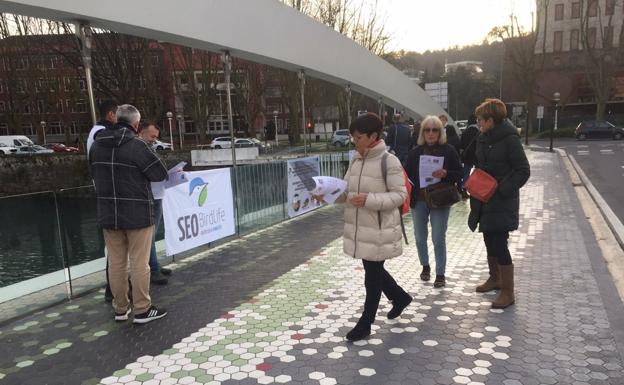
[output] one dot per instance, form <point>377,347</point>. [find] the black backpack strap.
<point>384,174</point>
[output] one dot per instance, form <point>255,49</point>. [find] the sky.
<point>419,25</point>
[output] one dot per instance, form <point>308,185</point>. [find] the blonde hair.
<point>437,123</point>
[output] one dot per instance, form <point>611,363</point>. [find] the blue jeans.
<point>421,214</point>
<point>153,258</point>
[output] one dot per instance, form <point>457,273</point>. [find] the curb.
<point>616,226</point>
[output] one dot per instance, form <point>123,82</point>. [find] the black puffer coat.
<point>500,154</point>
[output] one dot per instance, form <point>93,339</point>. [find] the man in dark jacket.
<point>467,148</point>
<point>399,139</point>
<point>500,154</point>
<point>451,135</point>
<point>122,167</point>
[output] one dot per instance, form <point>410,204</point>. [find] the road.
<point>603,163</point>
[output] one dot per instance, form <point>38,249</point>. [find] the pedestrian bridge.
<point>263,31</point>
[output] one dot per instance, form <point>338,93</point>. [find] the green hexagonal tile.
<point>206,378</point>
<point>197,373</point>
<point>144,377</point>
<point>49,352</point>
<point>121,372</point>
<point>23,364</point>
<point>180,374</point>
<point>199,360</point>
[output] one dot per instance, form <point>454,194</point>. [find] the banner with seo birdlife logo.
<point>198,211</point>
<point>300,185</point>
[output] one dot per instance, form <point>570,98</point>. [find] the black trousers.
<point>378,280</point>
<point>496,245</point>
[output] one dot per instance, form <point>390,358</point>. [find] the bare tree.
<point>603,56</point>
<point>520,46</point>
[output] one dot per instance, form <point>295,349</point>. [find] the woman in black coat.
<point>499,153</point>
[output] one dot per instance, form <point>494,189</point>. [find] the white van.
<point>16,141</point>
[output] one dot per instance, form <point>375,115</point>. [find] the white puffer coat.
<point>373,232</point>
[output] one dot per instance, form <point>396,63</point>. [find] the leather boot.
<point>493,282</point>
<point>506,296</point>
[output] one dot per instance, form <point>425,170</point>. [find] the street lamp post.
<point>43,126</point>
<point>556,98</point>
<point>348,90</point>
<point>301,76</point>
<point>276,133</point>
<point>180,125</point>
<point>169,117</point>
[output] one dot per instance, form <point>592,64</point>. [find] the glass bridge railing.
<point>51,248</point>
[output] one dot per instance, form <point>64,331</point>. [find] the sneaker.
<point>157,278</point>
<point>439,282</point>
<point>150,315</point>
<point>122,316</point>
<point>165,271</point>
<point>399,306</point>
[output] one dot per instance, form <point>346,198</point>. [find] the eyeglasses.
<point>434,130</point>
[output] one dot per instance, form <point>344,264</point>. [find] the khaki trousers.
<point>133,245</point>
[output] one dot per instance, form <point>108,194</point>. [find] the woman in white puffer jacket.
<point>372,230</point>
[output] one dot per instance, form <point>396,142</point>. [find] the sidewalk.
<point>274,307</point>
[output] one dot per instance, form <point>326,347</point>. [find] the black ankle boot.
<point>398,306</point>
<point>425,275</point>
<point>360,331</point>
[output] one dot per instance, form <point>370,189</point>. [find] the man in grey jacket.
<point>122,167</point>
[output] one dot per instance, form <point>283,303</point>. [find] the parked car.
<point>461,125</point>
<point>593,129</point>
<point>260,144</point>
<point>340,138</point>
<point>221,142</point>
<point>158,145</point>
<point>60,147</point>
<point>34,149</point>
<point>4,149</point>
<point>16,140</point>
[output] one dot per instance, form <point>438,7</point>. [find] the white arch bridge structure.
<point>263,31</point>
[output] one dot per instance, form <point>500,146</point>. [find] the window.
<point>81,106</point>
<point>41,107</point>
<point>55,128</point>
<point>67,83</point>
<point>20,85</point>
<point>22,63</point>
<point>610,7</point>
<point>591,37</point>
<point>27,129</point>
<point>2,106</point>
<point>607,36</point>
<point>1,86</point>
<point>59,106</point>
<point>574,40</point>
<point>82,83</point>
<point>27,109</point>
<point>576,10</point>
<point>54,61</point>
<point>4,129</point>
<point>592,8</point>
<point>559,12</point>
<point>558,41</point>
